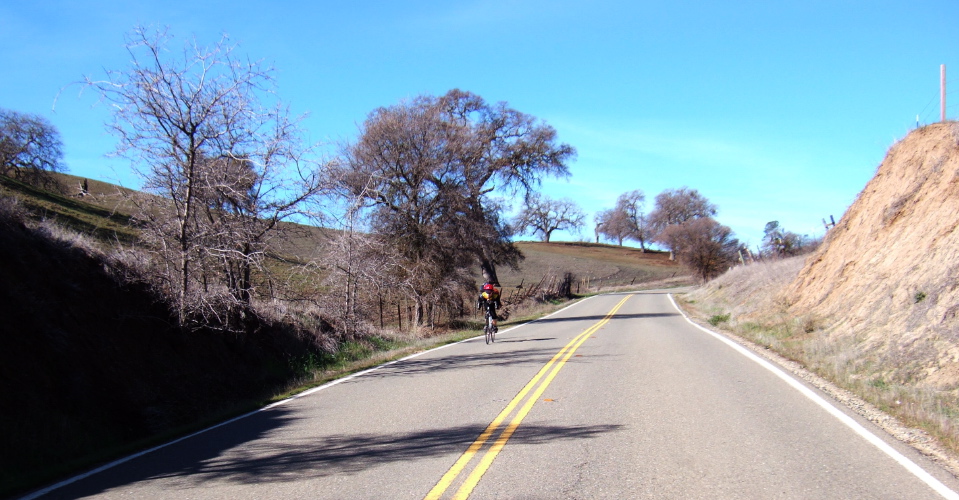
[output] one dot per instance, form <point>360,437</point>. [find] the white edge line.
<point>327,385</point>
<point>908,464</point>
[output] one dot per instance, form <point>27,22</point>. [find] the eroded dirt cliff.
<point>886,279</point>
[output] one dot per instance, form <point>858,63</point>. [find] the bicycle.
<point>489,329</point>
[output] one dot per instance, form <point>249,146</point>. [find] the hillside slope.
<point>92,366</point>
<point>869,317</point>
<point>886,276</point>
<point>598,265</point>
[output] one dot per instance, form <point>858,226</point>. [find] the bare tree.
<point>227,165</point>
<point>674,206</point>
<point>543,215</point>
<point>626,220</point>
<point>613,225</point>
<point>428,170</point>
<point>30,148</point>
<point>702,244</point>
<point>677,206</point>
<point>630,204</point>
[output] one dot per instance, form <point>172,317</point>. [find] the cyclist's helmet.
<point>488,287</point>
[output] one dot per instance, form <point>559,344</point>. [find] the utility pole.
<point>942,92</point>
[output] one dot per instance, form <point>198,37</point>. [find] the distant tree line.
<point>681,222</point>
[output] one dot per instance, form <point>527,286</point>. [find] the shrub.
<point>716,319</point>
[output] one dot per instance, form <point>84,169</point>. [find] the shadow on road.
<point>513,341</point>
<point>488,358</point>
<point>254,450</point>
<point>615,317</point>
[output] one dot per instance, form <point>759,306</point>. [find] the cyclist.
<point>489,295</point>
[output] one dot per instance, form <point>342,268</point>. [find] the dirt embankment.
<point>886,278</point>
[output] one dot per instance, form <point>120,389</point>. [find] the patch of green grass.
<point>346,354</point>
<point>879,383</point>
<point>751,327</point>
<point>382,344</point>
<point>716,319</point>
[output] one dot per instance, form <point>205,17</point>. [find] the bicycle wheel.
<point>488,329</point>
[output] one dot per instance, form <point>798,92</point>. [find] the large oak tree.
<point>676,207</point>
<point>626,220</point>
<point>432,172</point>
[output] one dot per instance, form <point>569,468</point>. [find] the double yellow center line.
<point>537,386</point>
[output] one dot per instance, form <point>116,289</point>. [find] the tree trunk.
<point>417,313</point>
<point>186,237</point>
<point>245,280</point>
<point>489,271</point>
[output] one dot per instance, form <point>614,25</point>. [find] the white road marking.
<point>909,465</point>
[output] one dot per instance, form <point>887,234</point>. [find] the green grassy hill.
<point>102,214</point>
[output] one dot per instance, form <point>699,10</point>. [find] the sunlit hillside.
<point>874,309</point>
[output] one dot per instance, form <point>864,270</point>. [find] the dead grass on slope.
<point>886,280</point>
<point>746,303</point>
<point>875,310</point>
<point>595,267</point>
<point>745,300</point>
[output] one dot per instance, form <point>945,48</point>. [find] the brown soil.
<point>887,276</point>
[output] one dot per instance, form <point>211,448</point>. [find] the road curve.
<point>617,396</point>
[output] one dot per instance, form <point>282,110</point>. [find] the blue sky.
<point>773,110</point>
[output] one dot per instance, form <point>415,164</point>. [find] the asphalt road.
<point>616,397</point>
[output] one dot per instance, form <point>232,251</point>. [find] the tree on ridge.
<point>30,148</point>
<point>542,215</point>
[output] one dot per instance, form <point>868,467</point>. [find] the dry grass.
<point>748,302</point>
<point>595,267</point>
